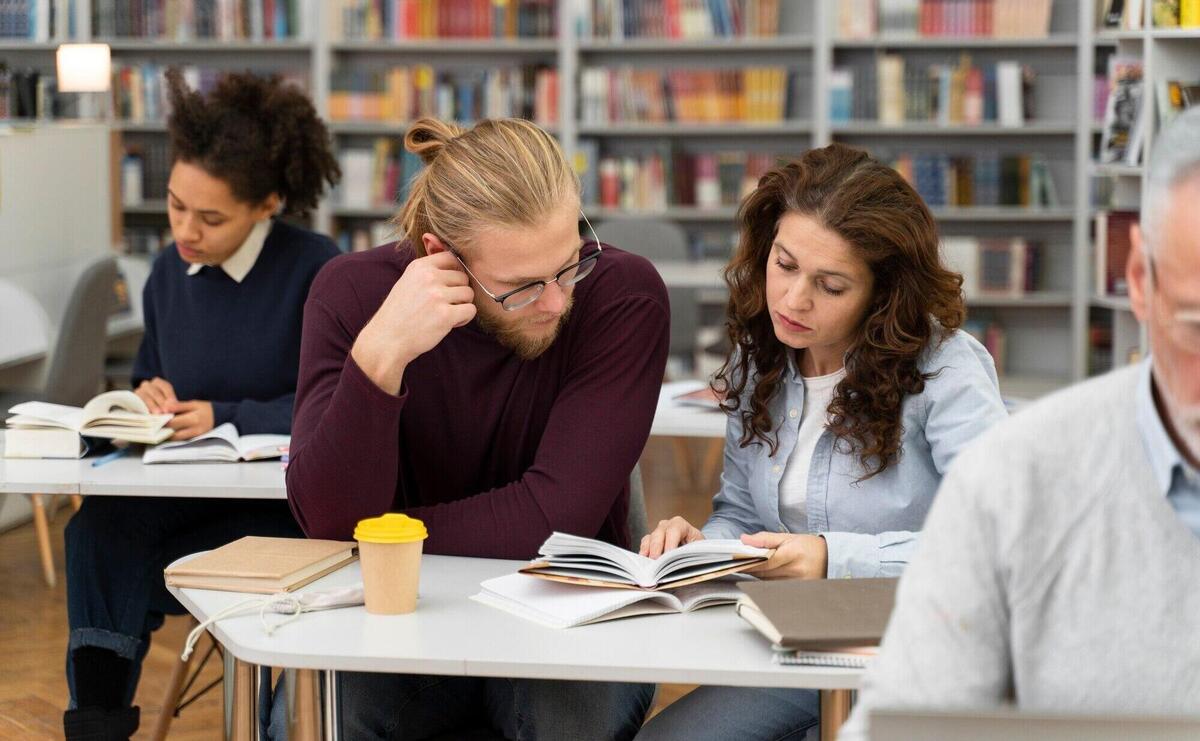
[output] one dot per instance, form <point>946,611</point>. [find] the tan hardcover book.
<point>262,565</point>
<point>819,614</point>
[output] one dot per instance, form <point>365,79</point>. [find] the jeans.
<point>743,713</point>
<point>117,548</point>
<point>406,707</point>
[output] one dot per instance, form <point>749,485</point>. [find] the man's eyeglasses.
<point>1182,324</point>
<point>519,298</point>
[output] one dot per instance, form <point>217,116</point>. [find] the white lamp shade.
<point>84,68</point>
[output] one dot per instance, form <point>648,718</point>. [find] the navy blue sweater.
<point>236,345</point>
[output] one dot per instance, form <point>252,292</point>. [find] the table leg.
<point>304,704</point>
<point>42,528</point>
<point>241,688</point>
<point>331,725</point>
<point>835,709</point>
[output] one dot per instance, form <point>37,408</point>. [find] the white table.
<point>129,477</point>
<point>675,419</point>
<point>450,634</point>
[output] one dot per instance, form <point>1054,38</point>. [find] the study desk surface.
<point>451,634</point>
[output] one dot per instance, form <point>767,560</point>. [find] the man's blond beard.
<point>510,335</point>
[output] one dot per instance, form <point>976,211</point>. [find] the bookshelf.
<point>1048,331</point>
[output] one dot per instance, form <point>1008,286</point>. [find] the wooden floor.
<point>33,623</point>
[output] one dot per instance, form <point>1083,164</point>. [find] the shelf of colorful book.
<point>739,128</point>
<point>449,46</point>
<point>266,46</point>
<point>1033,300</point>
<point>1117,303</point>
<point>1116,170</point>
<point>671,46</point>
<point>1002,213</point>
<point>1054,40</point>
<point>931,128</point>
<point>671,213</point>
<point>390,128</point>
<point>153,207</point>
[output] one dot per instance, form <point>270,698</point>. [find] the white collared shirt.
<point>238,265</point>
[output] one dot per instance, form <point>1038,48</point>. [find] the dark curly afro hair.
<point>257,134</point>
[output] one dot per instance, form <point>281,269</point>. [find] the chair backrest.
<point>76,365</point>
<point>660,240</point>
<point>638,527</point>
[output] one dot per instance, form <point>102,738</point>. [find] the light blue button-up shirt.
<point>1178,481</point>
<point>870,527</point>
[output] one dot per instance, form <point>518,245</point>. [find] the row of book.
<point>677,19</point>
<point>185,20</point>
<point>139,91</point>
<point>27,94</point>
<point>377,20</point>
<point>27,19</point>
<point>1112,245</point>
<point>865,19</point>
<point>995,267</point>
<point>401,94</point>
<point>1127,15</point>
<point>145,169</point>
<point>628,94</point>
<point>377,177</point>
<point>980,179</point>
<point>656,180</point>
<point>890,91</point>
<point>145,240</point>
<point>1124,128</point>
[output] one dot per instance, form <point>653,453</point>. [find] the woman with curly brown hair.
<point>223,311</point>
<point>849,390</point>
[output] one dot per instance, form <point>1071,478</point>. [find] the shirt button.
<point>774,469</point>
<point>793,413</point>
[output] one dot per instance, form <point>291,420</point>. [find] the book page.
<point>261,447</point>
<point>219,444</point>
<point>563,605</point>
<point>109,401</point>
<point>45,414</point>
<point>695,556</point>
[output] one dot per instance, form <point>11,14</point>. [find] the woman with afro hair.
<point>223,308</point>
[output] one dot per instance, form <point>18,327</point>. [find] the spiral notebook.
<point>849,658</point>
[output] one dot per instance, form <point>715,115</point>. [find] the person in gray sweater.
<point>1059,567</point>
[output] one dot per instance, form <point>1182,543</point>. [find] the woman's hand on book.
<point>191,418</point>
<point>669,534</point>
<point>795,556</point>
<point>432,297</point>
<point>157,393</point>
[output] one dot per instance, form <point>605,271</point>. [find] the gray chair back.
<point>76,364</point>
<point>661,240</point>
<point>638,527</point>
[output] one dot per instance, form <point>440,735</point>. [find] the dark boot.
<point>97,724</point>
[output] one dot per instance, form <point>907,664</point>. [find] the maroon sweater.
<point>492,452</point>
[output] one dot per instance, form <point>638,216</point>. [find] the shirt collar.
<point>1164,457</point>
<point>239,264</point>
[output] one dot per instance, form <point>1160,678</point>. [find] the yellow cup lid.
<point>391,527</point>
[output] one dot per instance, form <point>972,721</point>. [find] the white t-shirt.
<point>793,487</point>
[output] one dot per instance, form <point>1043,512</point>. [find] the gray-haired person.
<point>1059,568</point>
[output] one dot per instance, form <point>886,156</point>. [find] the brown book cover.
<point>819,614</point>
<point>262,565</point>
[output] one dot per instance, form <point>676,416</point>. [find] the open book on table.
<point>576,560</point>
<point>703,397</point>
<point>222,444</point>
<point>558,605</point>
<point>117,415</point>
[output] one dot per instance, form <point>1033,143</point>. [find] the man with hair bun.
<point>1059,569</point>
<point>223,312</point>
<point>494,375</point>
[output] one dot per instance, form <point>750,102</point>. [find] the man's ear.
<point>1137,273</point>
<point>431,244</point>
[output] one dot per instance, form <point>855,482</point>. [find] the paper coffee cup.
<point>389,548</point>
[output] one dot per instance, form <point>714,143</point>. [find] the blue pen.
<point>110,457</point>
